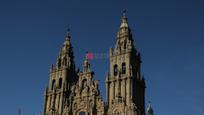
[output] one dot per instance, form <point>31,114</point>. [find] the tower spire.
<point>124,22</point>
<point>62,77</point>
<point>68,36</point>
<point>124,35</point>
<point>149,109</point>
<point>124,12</point>
<point>122,83</point>
<point>86,65</point>
<point>66,55</point>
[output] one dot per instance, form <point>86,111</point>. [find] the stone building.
<point>72,92</point>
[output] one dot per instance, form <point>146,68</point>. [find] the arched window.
<point>59,63</point>
<point>116,113</point>
<point>53,84</point>
<point>60,83</point>
<point>123,68</point>
<point>65,61</point>
<point>82,113</point>
<point>125,44</point>
<point>115,71</point>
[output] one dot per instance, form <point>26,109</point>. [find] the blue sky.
<point>168,33</point>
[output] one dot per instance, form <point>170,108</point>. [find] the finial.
<point>19,111</point>
<point>149,105</point>
<point>86,65</point>
<point>87,56</point>
<point>124,12</point>
<point>68,34</point>
<point>67,41</point>
<point>124,22</point>
<point>68,29</point>
<point>149,109</point>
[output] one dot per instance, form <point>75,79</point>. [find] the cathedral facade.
<point>74,92</point>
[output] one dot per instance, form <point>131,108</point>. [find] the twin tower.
<point>72,92</point>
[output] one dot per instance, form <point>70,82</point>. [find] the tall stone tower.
<point>125,87</point>
<point>62,76</point>
<point>70,92</point>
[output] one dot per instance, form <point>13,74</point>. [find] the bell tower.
<point>62,76</point>
<point>124,84</point>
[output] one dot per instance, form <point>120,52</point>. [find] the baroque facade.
<point>72,92</point>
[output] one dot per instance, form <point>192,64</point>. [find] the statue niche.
<point>84,88</point>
